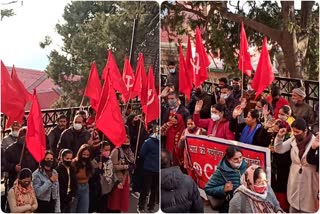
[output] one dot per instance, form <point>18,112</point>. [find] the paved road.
<point>133,205</point>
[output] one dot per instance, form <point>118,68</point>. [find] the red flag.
<point>244,63</point>
<point>185,84</point>
<point>128,78</point>
<point>12,99</point>
<point>110,121</point>
<point>93,88</point>
<point>264,75</point>
<point>140,82</point>
<point>113,71</point>
<point>19,86</point>
<point>201,62</point>
<point>151,109</point>
<point>189,62</point>
<point>35,137</point>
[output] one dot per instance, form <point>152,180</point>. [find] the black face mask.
<point>24,184</point>
<point>85,159</point>
<point>67,163</point>
<point>192,130</point>
<point>124,147</point>
<point>48,163</point>
<point>236,87</point>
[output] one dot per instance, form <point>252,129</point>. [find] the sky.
<point>21,34</point>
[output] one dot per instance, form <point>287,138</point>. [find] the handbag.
<point>107,178</point>
<point>217,203</point>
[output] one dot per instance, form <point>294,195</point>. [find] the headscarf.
<point>257,201</point>
<point>21,194</point>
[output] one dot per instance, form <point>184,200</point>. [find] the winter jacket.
<point>182,110</point>
<point>281,102</point>
<point>313,157</point>
<point>119,162</point>
<point>12,157</point>
<point>31,203</point>
<point>303,179</point>
<point>205,112</point>
<point>53,139</point>
<point>63,184</point>
<point>179,193</point>
<point>240,202</point>
<point>150,154</point>
<point>73,140</point>
<point>304,111</point>
<point>7,141</point>
<point>45,189</point>
<point>215,186</point>
<point>223,130</point>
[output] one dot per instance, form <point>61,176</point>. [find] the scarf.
<point>21,194</point>
<point>302,145</point>
<point>247,136</point>
<point>257,201</point>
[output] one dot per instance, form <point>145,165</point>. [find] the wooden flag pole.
<point>22,152</point>
<point>138,139</point>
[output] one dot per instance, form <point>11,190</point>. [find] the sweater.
<point>30,206</point>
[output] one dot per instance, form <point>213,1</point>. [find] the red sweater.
<point>223,130</point>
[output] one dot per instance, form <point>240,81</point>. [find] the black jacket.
<point>53,139</point>
<point>313,157</point>
<point>181,110</point>
<point>179,193</point>
<point>63,184</point>
<point>12,157</point>
<point>71,139</point>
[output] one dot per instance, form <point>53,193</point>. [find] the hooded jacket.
<point>179,193</point>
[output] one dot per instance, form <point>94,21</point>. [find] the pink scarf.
<point>21,193</point>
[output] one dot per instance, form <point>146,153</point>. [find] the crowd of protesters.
<point>288,127</point>
<point>82,171</point>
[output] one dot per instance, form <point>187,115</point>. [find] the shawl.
<point>21,193</point>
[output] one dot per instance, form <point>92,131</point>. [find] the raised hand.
<point>198,106</point>
<point>282,132</point>
<point>165,92</point>
<point>265,110</point>
<point>237,111</point>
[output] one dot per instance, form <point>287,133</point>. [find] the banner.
<point>205,154</point>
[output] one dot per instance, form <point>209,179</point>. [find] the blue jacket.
<point>149,154</point>
<point>215,186</point>
<point>43,187</point>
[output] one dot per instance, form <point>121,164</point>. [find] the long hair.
<point>77,161</point>
<point>41,164</point>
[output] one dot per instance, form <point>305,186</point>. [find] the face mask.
<point>299,137</point>
<point>295,101</point>
<point>106,154</point>
<point>124,147</point>
<point>172,103</point>
<point>77,126</point>
<point>85,159</point>
<point>249,88</point>
<point>259,189</point>
<point>236,87</point>
<point>48,163</point>
<point>282,117</point>
<point>192,130</point>
<point>67,163</point>
<point>224,96</point>
<point>215,117</point>
<point>24,184</point>
<point>235,165</point>
<point>172,71</point>
<point>14,133</point>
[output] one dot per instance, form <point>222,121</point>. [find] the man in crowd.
<point>55,133</point>
<point>276,100</point>
<point>236,85</point>
<point>12,137</point>
<point>227,99</point>
<point>200,94</point>
<point>173,75</point>
<point>179,193</point>
<point>73,137</point>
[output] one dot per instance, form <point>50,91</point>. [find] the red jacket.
<point>223,130</point>
<point>281,102</point>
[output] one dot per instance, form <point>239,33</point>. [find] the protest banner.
<point>205,154</point>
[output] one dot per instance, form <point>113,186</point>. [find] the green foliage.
<point>6,13</point>
<point>90,29</point>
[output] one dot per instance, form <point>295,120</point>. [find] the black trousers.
<point>151,184</point>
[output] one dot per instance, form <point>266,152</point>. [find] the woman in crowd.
<point>285,114</point>
<point>83,170</point>
<point>218,125</point>
<point>122,160</point>
<point>303,179</point>
<point>21,197</point>
<point>265,110</point>
<point>46,185</point>
<point>250,129</point>
<point>254,195</point>
<point>226,178</point>
<point>191,129</point>
<point>67,181</point>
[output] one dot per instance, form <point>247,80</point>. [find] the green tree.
<point>91,29</point>
<point>295,32</point>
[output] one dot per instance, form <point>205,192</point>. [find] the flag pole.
<point>138,139</point>
<point>81,102</point>
<point>22,152</point>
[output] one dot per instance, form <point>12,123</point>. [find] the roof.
<point>47,90</point>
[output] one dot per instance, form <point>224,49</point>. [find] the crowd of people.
<point>82,171</point>
<point>288,127</point>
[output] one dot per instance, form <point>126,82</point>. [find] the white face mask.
<point>172,70</point>
<point>77,126</point>
<point>215,117</point>
<point>224,96</point>
<point>235,165</point>
<point>282,117</point>
<point>14,133</point>
<point>249,88</point>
